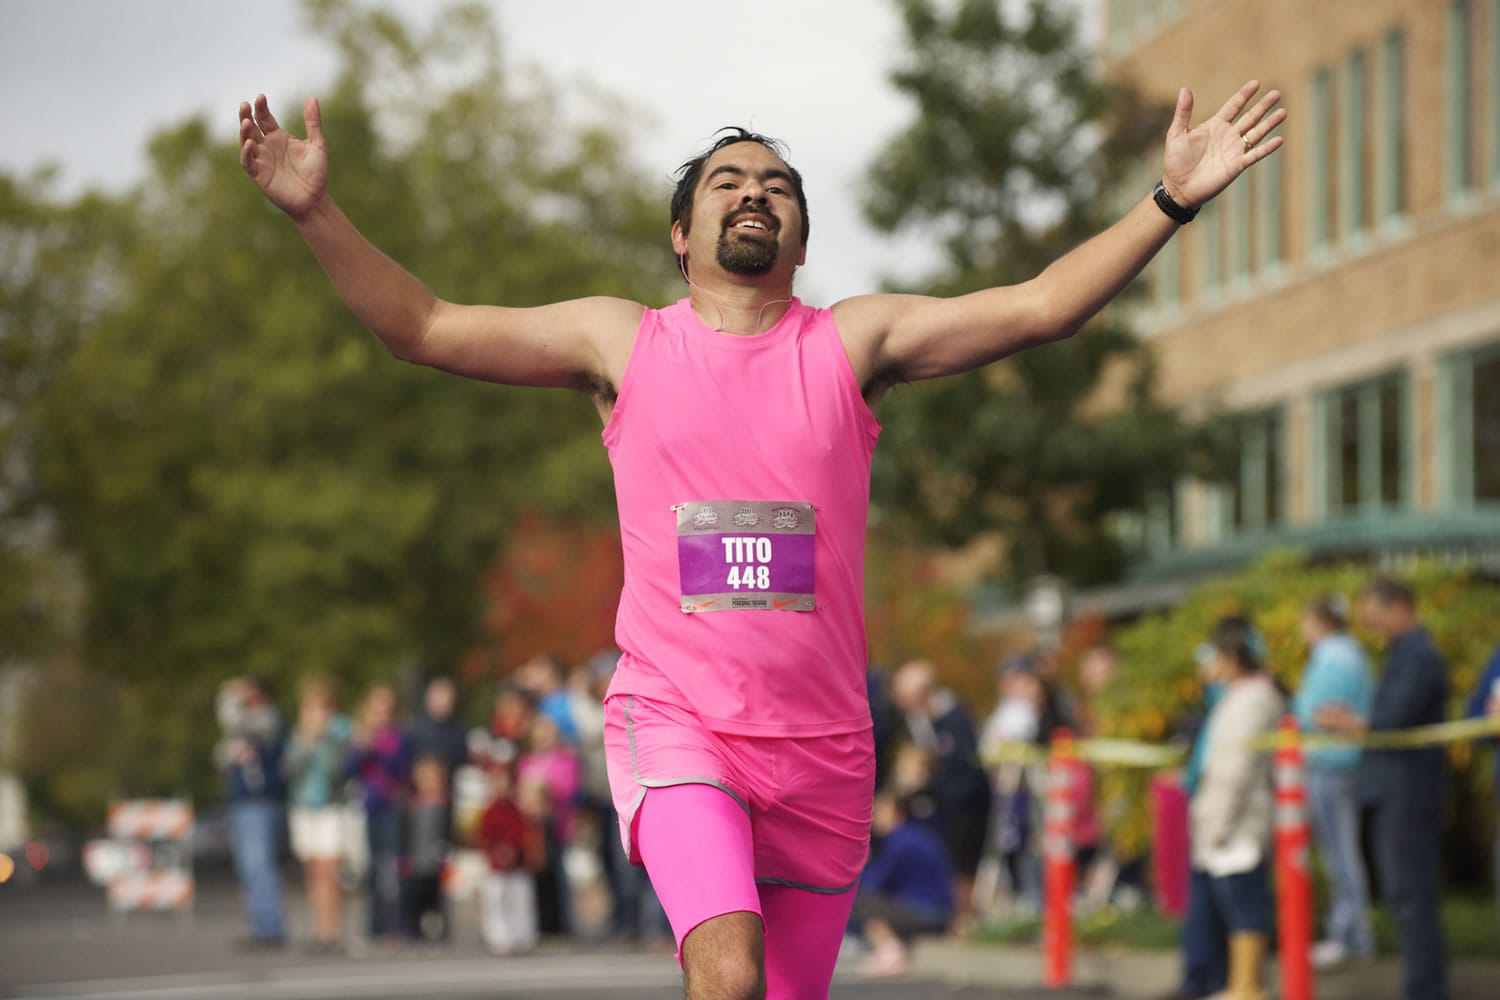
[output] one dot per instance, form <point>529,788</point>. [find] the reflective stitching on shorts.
<point>635,769</point>
<point>820,890</point>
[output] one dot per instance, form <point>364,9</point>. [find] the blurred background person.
<point>1337,673</point>
<point>1403,789</point>
<point>589,683</point>
<point>1205,966</point>
<point>906,888</point>
<point>547,678</point>
<point>439,732</point>
<point>937,722</point>
<point>1231,810</point>
<point>380,764</point>
<point>427,840</point>
<point>1484,702</point>
<point>514,848</point>
<point>1014,724</point>
<point>885,722</point>
<point>249,755</point>
<point>499,744</point>
<point>550,764</point>
<point>313,764</point>
<point>1099,870</point>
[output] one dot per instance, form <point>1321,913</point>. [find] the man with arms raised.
<point>740,424</point>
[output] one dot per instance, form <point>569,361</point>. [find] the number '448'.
<point>758,577</point>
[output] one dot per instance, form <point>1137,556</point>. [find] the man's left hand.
<point>1200,162</point>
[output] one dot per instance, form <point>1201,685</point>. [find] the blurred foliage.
<point>247,482</point>
<point>1157,685</point>
<point>1014,142</point>
<point>911,614</point>
<point>553,588</point>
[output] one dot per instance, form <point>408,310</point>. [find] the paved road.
<point>59,943</point>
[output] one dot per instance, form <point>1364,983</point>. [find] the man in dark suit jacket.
<point>1403,789</point>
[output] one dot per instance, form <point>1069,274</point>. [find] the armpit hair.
<point>596,387</point>
<point>882,380</point>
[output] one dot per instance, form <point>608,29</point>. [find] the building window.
<point>1320,203</point>
<point>1168,275</point>
<point>1365,446</point>
<point>1494,70</point>
<point>1258,494</point>
<point>1393,126</point>
<point>1468,427</point>
<point>1354,154</point>
<point>1269,208</point>
<point>1211,257</point>
<point>1484,421</point>
<point>1161,527</point>
<point>1458,103</point>
<point>1239,232</point>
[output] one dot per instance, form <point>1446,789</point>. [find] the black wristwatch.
<point>1179,214</point>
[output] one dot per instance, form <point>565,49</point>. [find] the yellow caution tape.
<point>1120,753</point>
<point>1152,756</point>
<point>1392,739</point>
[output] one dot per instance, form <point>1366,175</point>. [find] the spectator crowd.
<point>956,823</point>
<point>404,816</point>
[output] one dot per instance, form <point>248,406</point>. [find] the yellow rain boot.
<point>1247,953</point>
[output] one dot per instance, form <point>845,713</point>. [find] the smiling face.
<point>745,214</point>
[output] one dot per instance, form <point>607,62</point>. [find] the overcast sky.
<point>86,82</point>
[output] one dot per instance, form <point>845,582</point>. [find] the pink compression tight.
<point>697,846</point>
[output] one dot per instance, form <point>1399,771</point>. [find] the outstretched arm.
<point>909,337</point>
<point>566,344</point>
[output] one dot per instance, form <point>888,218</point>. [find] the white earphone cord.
<point>682,265</point>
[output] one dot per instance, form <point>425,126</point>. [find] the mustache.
<point>740,213</point>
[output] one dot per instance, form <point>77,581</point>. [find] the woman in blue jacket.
<point>1337,673</point>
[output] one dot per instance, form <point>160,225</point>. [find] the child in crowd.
<point>550,765</point>
<point>427,838</point>
<point>907,887</point>
<point>512,844</point>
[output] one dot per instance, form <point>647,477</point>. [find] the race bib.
<point>746,555</point>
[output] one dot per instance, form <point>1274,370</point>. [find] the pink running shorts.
<point>808,799</point>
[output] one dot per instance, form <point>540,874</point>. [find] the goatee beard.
<point>746,256</point>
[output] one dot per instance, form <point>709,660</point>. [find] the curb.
<point>1143,974</point>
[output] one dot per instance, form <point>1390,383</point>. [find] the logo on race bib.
<point>746,555</point>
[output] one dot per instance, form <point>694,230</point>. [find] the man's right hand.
<point>291,172</point>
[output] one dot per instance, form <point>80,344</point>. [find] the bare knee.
<point>724,959</point>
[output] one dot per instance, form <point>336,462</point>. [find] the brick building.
<point>1345,297</point>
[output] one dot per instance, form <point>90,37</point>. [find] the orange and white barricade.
<point>151,855</point>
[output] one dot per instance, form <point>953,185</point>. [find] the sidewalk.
<point>1143,974</point>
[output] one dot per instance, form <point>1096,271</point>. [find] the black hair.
<point>1233,637</point>
<point>688,174</point>
<point>1390,591</point>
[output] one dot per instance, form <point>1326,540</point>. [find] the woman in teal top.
<point>314,764</point>
<point>1337,673</point>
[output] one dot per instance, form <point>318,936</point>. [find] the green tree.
<point>1008,163</point>
<point>247,480</point>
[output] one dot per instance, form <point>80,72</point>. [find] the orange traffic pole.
<point>1293,879</point>
<point>1058,872</point>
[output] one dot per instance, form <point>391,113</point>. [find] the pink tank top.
<point>742,474</point>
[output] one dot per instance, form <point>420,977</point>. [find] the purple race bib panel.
<point>746,555</point>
